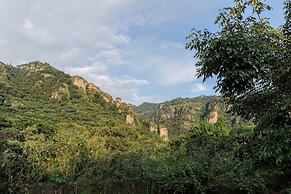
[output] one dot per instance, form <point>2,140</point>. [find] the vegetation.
<point>55,135</point>
<point>251,61</point>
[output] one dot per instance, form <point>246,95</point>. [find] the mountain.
<point>39,91</point>
<point>62,134</point>
<point>54,128</point>
<point>179,115</point>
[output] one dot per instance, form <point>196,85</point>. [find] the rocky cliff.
<point>178,116</point>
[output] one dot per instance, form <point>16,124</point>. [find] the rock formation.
<point>160,129</point>
<point>154,128</point>
<point>118,102</point>
<point>35,66</point>
<point>121,107</point>
<point>80,82</point>
<point>3,71</point>
<point>163,132</point>
<point>179,115</point>
<point>93,87</point>
<point>129,119</point>
<point>213,117</point>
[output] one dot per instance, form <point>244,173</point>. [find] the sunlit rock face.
<point>160,130</point>
<point>121,106</point>
<point>213,117</point>
<point>83,84</point>
<point>93,87</point>
<point>80,82</point>
<point>129,119</point>
<point>154,128</point>
<point>164,133</point>
<point>118,102</point>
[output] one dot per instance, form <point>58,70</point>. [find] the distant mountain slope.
<point>180,114</point>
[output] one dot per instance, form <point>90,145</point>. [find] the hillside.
<point>180,115</point>
<point>53,125</point>
<point>62,134</point>
<point>39,91</point>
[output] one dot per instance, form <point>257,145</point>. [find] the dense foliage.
<point>251,61</point>
<point>79,142</point>
<point>57,141</point>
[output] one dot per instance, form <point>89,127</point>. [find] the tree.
<point>251,61</point>
<point>241,54</point>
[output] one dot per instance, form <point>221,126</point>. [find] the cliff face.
<point>121,106</point>
<point>179,115</point>
<point>213,117</point>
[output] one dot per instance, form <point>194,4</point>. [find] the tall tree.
<point>249,58</point>
<point>252,63</point>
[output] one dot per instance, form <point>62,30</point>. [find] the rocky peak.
<point>80,82</point>
<point>84,84</point>
<point>35,66</point>
<point>93,87</point>
<point>2,65</point>
<point>121,106</point>
<point>118,101</point>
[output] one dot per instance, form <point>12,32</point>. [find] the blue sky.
<point>133,49</point>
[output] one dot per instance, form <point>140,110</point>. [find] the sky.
<point>133,49</point>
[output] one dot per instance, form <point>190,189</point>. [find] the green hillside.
<point>39,91</point>
<point>54,126</point>
<point>61,134</point>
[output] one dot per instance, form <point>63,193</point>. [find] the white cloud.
<point>176,74</point>
<point>170,70</point>
<point>110,57</point>
<point>38,34</point>
<point>138,99</point>
<point>3,47</point>
<point>82,70</point>
<point>110,82</point>
<point>172,44</point>
<point>27,24</point>
<point>199,88</point>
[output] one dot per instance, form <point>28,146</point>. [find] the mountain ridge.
<point>180,115</point>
